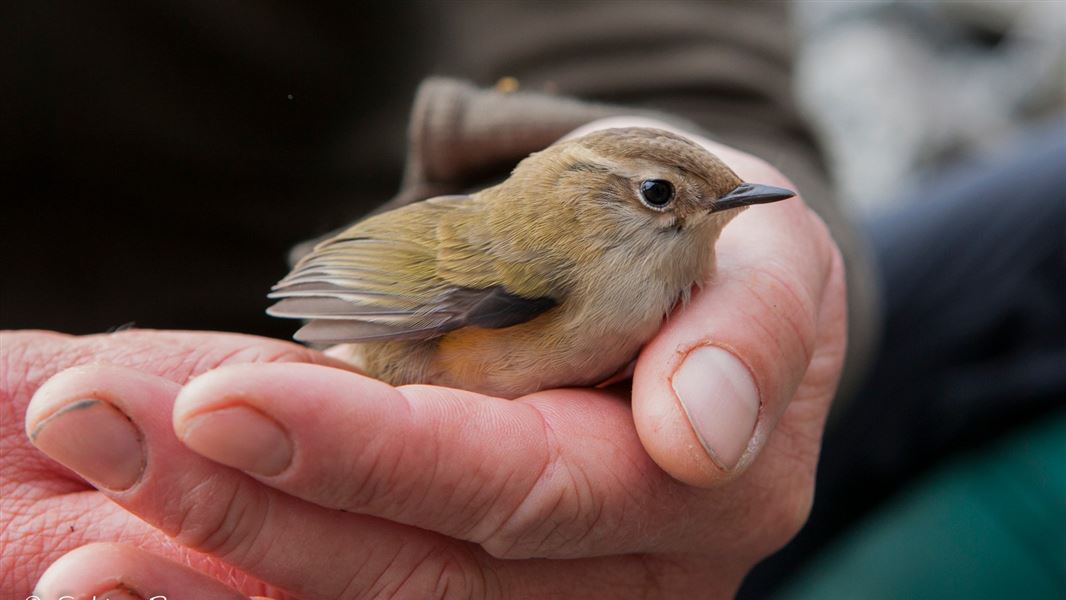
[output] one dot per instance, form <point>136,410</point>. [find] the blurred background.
<point>160,158</point>
<point>948,81</point>
<point>942,477</point>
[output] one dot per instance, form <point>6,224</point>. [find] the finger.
<point>781,481</point>
<point>35,356</point>
<point>710,386</point>
<point>112,426</point>
<point>557,474</point>
<point>120,572</point>
<point>39,532</point>
<point>239,534</point>
<point>36,492</point>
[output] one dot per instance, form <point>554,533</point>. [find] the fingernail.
<point>94,439</point>
<point>721,401</point>
<point>241,437</point>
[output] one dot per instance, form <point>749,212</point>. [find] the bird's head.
<point>641,188</point>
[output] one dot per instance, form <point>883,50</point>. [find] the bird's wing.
<point>415,275</point>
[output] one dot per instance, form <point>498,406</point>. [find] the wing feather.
<point>412,277</point>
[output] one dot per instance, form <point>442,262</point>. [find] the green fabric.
<point>990,525</point>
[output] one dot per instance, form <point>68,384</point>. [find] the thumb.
<point>710,387</point>
<point>708,390</point>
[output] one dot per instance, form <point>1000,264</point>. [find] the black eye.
<point>657,192</point>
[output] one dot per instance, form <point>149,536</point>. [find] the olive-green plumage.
<point>555,277</point>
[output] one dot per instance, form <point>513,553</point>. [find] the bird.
<point>555,277</point>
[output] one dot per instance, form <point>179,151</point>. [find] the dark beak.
<point>751,193</point>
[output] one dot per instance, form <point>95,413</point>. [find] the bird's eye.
<point>656,193</point>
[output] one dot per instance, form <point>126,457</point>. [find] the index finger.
<point>556,474</point>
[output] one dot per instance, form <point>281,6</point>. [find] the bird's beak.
<point>750,193</point>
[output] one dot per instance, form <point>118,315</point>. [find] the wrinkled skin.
<point>441,493</point>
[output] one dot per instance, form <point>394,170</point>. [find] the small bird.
<point>555,277</point>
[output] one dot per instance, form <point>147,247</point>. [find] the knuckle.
<point>561,510</point>
<point>783,518</point>
<point>821,232</point>
<point>789,518</point>
<point>777,293</point>
<point>826,245</point>
<point>387,473</point>
<point>254,350</point>
<point>29,358</point>
<point>194,359</point>
<point>442,571</point>
<point>375,477</point>
<point>223,517</point>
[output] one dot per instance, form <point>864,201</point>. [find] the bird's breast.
<point>581,342</point>
<point>598,327</point>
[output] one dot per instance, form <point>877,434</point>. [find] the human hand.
<point>454,493</point>
<point>45,509</point>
